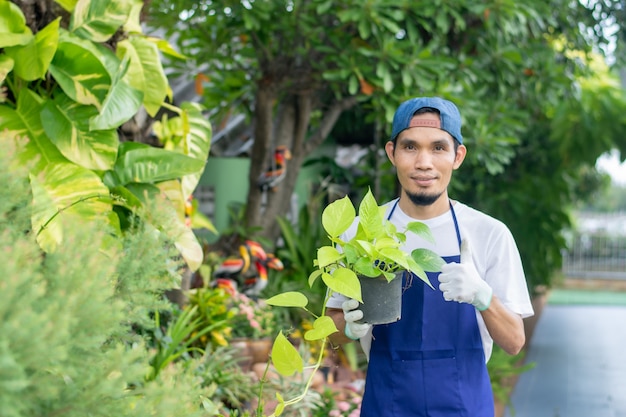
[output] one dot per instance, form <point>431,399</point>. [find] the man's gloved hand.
<point>461,282</point>
<point>351,314</point>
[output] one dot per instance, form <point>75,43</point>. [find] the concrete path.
<point>580,364</point>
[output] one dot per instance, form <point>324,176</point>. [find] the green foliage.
<point>233,388</point>
<point>67,90</point>
<point>503,369</point>
<point>210,310</point>
<point>65,348</point>
<point>374,250</point>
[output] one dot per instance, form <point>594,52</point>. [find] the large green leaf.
<point>79,69</point>
<point>170,224</point>
<point>13,29</point>
<point>120,104</point>
<point>338,216</point>
<point>148,164</point>
<point>145,71</point>
<point>198,142</point>
<point>65,192</point>
<point>67,125</point>
<point>33,59</point>
<point>25,122</point>
<point>99,20</point>
<point>6,66</point>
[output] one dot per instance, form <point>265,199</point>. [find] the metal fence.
<point>598,248</point>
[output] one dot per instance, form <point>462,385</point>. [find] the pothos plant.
<point>67,85</point>
<point>374,250</point>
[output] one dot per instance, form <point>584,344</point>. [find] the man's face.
<point>424,158</point>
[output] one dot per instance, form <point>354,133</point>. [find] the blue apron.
<point>431,362</point>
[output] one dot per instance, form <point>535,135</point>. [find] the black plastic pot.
<point>382,299</point>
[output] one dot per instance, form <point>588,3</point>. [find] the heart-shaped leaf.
<point>322,327</point>
<point>285,357</point>
<point>288,299</point>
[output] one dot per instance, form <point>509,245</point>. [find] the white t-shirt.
<point>494,253</point>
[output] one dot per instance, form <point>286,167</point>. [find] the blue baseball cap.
<point>449,116</point>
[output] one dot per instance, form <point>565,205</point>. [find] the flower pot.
<point>382,300</point>
<point>243,355</point>
<point>260,349</point>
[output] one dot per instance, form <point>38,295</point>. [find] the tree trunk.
<point>291,126</point>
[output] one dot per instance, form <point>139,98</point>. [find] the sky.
<point>610,164</point>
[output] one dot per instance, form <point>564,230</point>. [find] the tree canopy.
<point>521,73</point>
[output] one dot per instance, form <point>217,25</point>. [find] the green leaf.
<point>338,216</point>
<point>97,21</point>
<point>148,164</point>
<point>197,142</point>
<point>288,299</point>
<point>314,276</point>
<point>25,122</point>
<point>80,70</point>
<point>343,281</point>
<point>33,59</point>
<point>133,23</point>
<point>322,327</point>
<point>145,72</point>
<point>421,230</point>
<point>166,48</point>
<point>370,217</point>
<point>327,255</point>
<point>13,29</point>
<point>285,357</point>
<point>66,192</point>
<point>280,407</point>
<point>66,124</point>
<point>68,5</point>
<point>6,66</point>
<point>120,104</point>
<point>428,260</point>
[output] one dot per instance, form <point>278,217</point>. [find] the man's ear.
<point>390,148</point>
<point>461,151</point>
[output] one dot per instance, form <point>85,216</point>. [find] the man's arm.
<point>505,327</point>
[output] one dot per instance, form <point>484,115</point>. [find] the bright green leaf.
<point>120,104</point>
<point>97,21</point>
<point>148,164</point>
<point>33,59</point>
<point>288,299</point>
<point>343,281</point>
<point>66,192</point>
<point>6,66</point>
<point>25,122</point>
<point>421,230</point>
<point>66,124</point>
<point>285,357</point>
<point>327,255</point>
<point>197,141</point>
<point>68,5</point>
<point>428,260</point>
<point>338,216</point>
<point>145,72</point>
<point>79,69</point>
<point>13,29</point>
<point>322,327</point>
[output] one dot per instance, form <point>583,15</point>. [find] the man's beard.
<point>423,199</point>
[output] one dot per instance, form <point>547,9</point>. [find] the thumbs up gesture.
<point>460,281</point>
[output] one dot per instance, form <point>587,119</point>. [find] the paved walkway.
<point>579,352</point>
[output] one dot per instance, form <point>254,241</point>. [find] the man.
<point>432,362</point>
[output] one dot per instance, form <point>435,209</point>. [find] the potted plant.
<point>372,252</point>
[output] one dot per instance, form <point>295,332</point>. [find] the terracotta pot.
<point>260,349</point>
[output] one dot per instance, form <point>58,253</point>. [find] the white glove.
<point>354,330</point>
<point>461,282</point>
